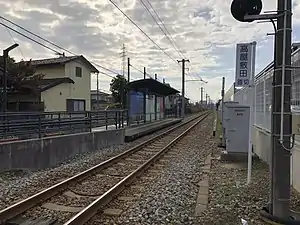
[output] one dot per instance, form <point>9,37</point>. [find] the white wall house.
<point>67,83</point>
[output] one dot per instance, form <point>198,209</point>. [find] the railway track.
<point>76,199</point>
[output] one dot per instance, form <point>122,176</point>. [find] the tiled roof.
<point>45,84</point>
<point>63,60</point>
<point>60,60</point>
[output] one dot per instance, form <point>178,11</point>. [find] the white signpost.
<point>244,77</point>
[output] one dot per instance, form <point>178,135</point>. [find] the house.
<point>67,83</point>
<point>100,100</point>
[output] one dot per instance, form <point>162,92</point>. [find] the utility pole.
<point>201,97</point>
<point>281,112</point>
<point>222,103</point>
<point>123,55</point>
<point>128,92</point>
<point>144,102</point>
<point>98,91</point>
<point>128,69</point>
<point>155,101</point>
<point>164,103</point>
<point>206,96</point>
<point>183,86</point>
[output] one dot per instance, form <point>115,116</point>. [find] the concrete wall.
<point>262,143</point>
<point>262,148</point>
<point>51,151</point>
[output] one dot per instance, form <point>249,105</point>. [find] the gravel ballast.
<point>17,185</point>
<point>171,197</point>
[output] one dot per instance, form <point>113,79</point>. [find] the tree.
<point>21,76</point>
<point>116,85</point>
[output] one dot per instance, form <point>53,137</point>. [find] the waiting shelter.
<point>147,99</point>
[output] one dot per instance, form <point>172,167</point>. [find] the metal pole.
<point>222,95</point>
<point>183,89</point>
<point>155,101</point>
<point>122,91</point>
<point>128,69</point>
<point>5,57</point>
<point>183,86</point>
<point>164,103</point>
<point>144,105</point>
<point>4,104</point>
<point>128,92</point>
<point>98,91</point>
<point>252,75</point>
<point>201,97</point>
<point>272,121</point>
<point>281,114</point>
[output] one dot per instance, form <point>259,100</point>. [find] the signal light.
<point>241,8</point>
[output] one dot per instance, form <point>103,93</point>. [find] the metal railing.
<point>26,125</point>
<point>150,117</point>
<point>38,125</point>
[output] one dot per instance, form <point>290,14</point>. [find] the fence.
<point>37,125</point>
<point>263,93</point>
<point>15,126</point>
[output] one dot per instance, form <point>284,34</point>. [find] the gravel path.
<point>171,197</point>
<point>230,199</point>
<point>16,185</point>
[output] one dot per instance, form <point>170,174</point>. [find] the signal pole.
<point>281,128</point>
<point>281,112</point>
<point>183,85</point>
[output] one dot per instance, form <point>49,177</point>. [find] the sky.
<point>203,32</point>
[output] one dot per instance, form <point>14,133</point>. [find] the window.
<point>78,71</point>
<point>74,105</point>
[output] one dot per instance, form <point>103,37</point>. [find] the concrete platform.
<point>137,131</point>
<point>51,151</point>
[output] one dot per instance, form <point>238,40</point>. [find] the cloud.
<point>204,32</point>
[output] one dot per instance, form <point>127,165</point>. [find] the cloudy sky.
<point>204,31</point>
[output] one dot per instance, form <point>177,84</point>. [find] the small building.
<point>100,100</point>
<point>67,83</point>
<point>147,99</point>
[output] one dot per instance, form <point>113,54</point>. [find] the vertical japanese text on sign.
<point>243,67</point>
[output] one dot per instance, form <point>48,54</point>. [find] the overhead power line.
<point>49,42</point>
<point>14,41</point>
<point>37,42</point>
<point>143,31</point>
<point>168,35</point>
<point>141,71</point>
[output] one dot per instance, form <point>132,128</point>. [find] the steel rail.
<point>25,204</point>
<point>87,213</point>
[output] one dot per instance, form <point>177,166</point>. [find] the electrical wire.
<point>169,36</point>
<point>14,41</point>
<point>37,42</point>
<point>143,31</point>
<point>141,71</point>
<point>49,42</point>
